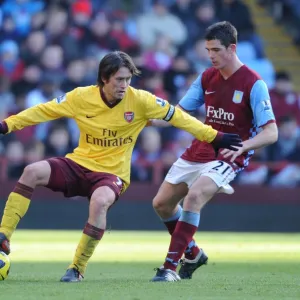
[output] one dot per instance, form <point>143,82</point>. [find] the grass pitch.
<point>241,266</point>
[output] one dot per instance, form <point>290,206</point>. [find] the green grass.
<point>241,266</point>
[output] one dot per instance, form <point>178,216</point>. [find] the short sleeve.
<point>261,104</point>
<point>194,97</point>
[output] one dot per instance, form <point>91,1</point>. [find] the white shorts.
<point>186,171</point>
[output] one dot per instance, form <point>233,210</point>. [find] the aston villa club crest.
<point>237,96</point>
<point>129,116</point>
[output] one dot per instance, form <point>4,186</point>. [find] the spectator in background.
<point>52,62</point>
<point>29,81</point>
<point>185,11</point>
<point>176,147</point>
<point>48,89</point>
<point>34,47</point>
<point>38,20</point>
<point>91,60</point>
<point>75,76</point>
<point>199,56</point>
<point>175,79</point>
<point>100,28</point>
<point>21,12</point>
<point>147,153</point>
<point>8,30</point>
<point>78,36</point>
<point>58,141</point>
<point>160,22</point>
<point>285,101</point>
<point>286,150</point>
<point>160,56</point>
<point>15,159</point>
<point>205,14</point>
<point>238,13</point>
<point>11,66</point>
<point>34,151</point>
<point>153,82</point>
<point>118,32</point>
<point>6,97</point>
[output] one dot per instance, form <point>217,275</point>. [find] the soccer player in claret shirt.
<point>110,116</point>
<point>236,101</point>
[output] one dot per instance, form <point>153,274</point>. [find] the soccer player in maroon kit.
<point>237,101</point>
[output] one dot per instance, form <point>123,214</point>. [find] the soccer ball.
<point>4,265</point>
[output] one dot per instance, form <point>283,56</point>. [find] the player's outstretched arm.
<point>162,123</point>
<point>38,114</point>
<point>156,108</point>
<point>205,132</point>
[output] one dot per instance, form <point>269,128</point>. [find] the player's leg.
<point>214,175</point>
<point>217,175</point>
<point>199,194</point>
<point>36,174</point>
<point>165,204</point>
<point>100,201</point>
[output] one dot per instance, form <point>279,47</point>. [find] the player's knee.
<point>194,196</point>
<point>30,174</point>
<point>35,174</point>
<point>160,206</point>
<point>101,203</point>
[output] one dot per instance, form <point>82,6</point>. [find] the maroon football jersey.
<point>232,106</point>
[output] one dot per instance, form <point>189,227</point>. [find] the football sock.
<point>192,250</point>
<point>15,208</point>
<point>171,222</point>
<point>183,234</point>
<point>90,238</point>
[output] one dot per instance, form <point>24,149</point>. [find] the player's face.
<point>219,55</point>
<point>116,86</point>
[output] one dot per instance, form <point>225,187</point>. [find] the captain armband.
<point>170,113</point>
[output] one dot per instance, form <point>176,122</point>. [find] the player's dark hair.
<point>224,31</point>
<point>112,62</point>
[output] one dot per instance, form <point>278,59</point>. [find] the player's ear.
<point>232,48</point>
<point>104,80</point>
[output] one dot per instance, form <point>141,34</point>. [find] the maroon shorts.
<point>74,180</point>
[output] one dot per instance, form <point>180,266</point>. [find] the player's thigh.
<point>67,177</point>
<point>212,177</point>
<point>169,195</point>
<point>37,174</point>
<point>219,171</point>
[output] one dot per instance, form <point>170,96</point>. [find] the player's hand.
<point>3,128</point>
<point>227,140</point>
<point>233,154</point>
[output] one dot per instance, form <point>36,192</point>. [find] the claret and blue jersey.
<point>240,104</point>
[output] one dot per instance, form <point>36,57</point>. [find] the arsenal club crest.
<point>128,116</point>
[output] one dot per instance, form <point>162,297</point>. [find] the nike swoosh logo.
<point>90,116</point>
<point>207,93</point>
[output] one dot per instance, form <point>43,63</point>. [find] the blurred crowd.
<point>286,12</point>
<point>48,48</point>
